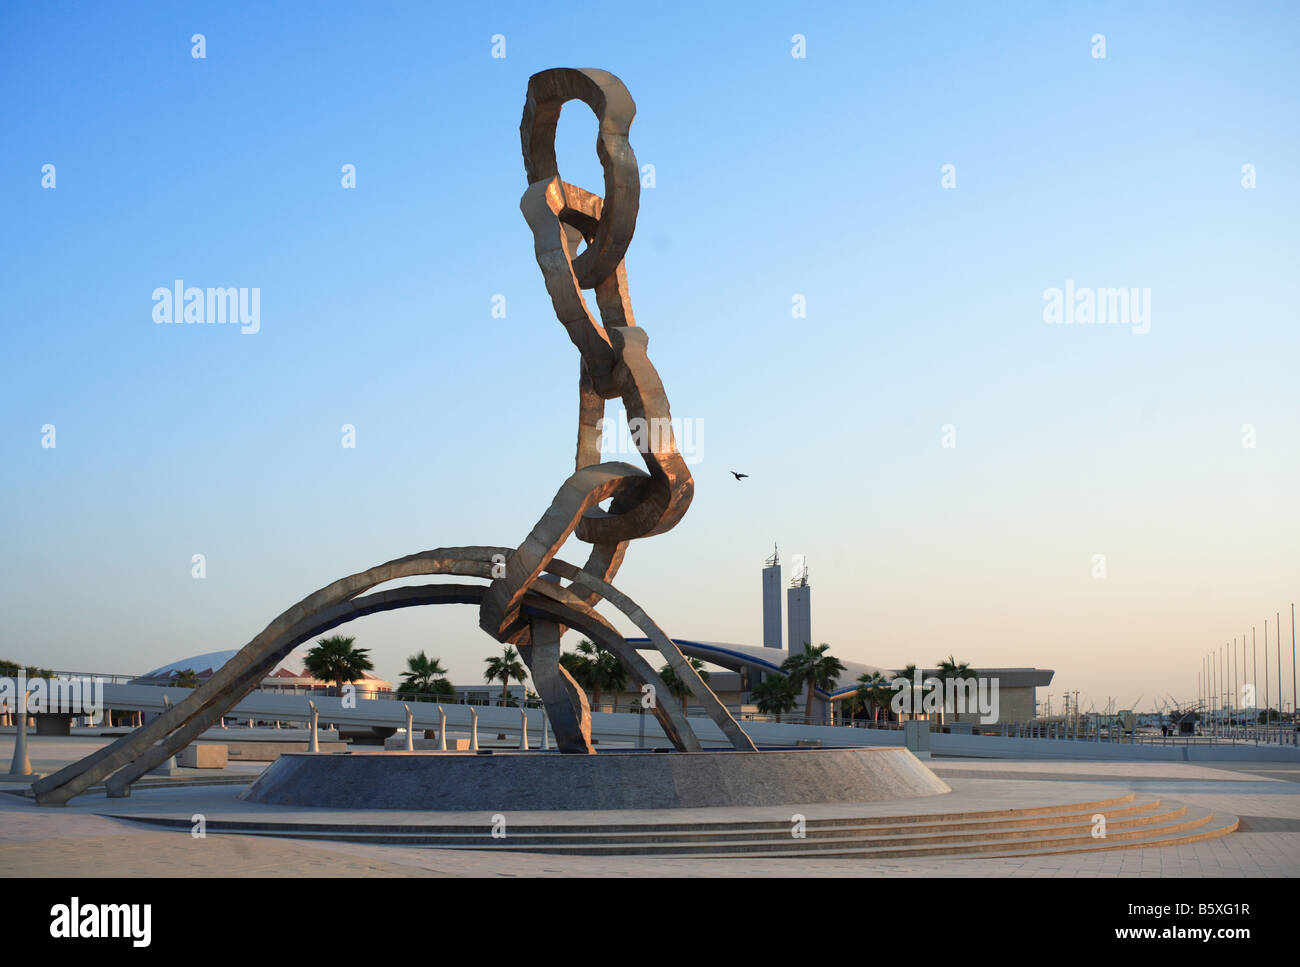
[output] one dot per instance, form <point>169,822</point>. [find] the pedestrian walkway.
<point>80,841</point>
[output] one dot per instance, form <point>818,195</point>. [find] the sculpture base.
<point>610,780</point>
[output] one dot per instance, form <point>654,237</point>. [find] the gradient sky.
<point>775,176</point>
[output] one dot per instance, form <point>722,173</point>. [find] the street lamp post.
<point>1293,699</point>
<point>1278,615</point>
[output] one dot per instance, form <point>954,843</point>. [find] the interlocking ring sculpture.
<point>528,606</point>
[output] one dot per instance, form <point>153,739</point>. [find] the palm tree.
<point>337,660</point>
<point>588,653</point>
<point>874,688</point>
<point>186,679</point>
<point>774,695</point>
<point>609,674</point>
<point>849,706</point>
<point>909,672</point>
<point>595,669</point>
<point>578,667</point>
<point>11,669</point>
<point>815,668</point>
<point>951,670</point>
<point>504,668</point>
<point>425,676</point>
<point>677,686</point>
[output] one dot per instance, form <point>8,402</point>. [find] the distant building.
<point>1017,687</point>
<point>281,680</point>
<point>799,608</point>
<point>772,602</point>
<point>490,694</point>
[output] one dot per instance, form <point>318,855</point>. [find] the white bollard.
<point>442,729</point>
<point>546,732</point>
<point>523,731</point>
<point>313,744</point>
<point>473,728</point>
<point>22,764</point>
<point>410,729</point>
<point>168,768</point>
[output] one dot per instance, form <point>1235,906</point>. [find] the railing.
<point>107,678</point>
<point>1212,732</point>
<point>1084,732</point>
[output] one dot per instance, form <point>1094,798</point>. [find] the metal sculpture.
<point>526,603</point>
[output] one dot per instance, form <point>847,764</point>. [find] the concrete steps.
<point>1178,826</point>
<point>1131,822</point>
<point>158,782</point>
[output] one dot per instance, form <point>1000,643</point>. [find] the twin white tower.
<point>799,603</point>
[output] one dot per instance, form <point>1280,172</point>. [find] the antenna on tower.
<point>775,559</point>
<point>799,578</point>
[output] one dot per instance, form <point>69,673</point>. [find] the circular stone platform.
<point>609,780</point>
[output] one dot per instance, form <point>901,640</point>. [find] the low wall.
<point>998,747</point>
<point>271,751</point>
<point>608,780</point>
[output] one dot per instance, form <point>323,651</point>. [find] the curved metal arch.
<point>232,678</point>
<point>337,603</point>
<point>572,613</point>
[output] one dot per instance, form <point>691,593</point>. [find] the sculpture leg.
<point>572,725</point>
<point>119,784</point>
<point>668,648</point>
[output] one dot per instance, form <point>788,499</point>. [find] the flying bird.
<point>738,476</point>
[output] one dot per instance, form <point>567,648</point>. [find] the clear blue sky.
<point>775,176</point>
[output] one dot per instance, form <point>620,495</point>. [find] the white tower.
<point>772,601</point>
<point>799,608</point>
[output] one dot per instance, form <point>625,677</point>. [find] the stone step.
<point>1149,820</point>
<point>782,842</point>
<point>148,781</point>
<point>1117,806</point>
<point>1196,825</point>
<point>1220,824</point>
<point>776,839</point>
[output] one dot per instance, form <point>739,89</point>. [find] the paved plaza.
<point>78,841</point>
